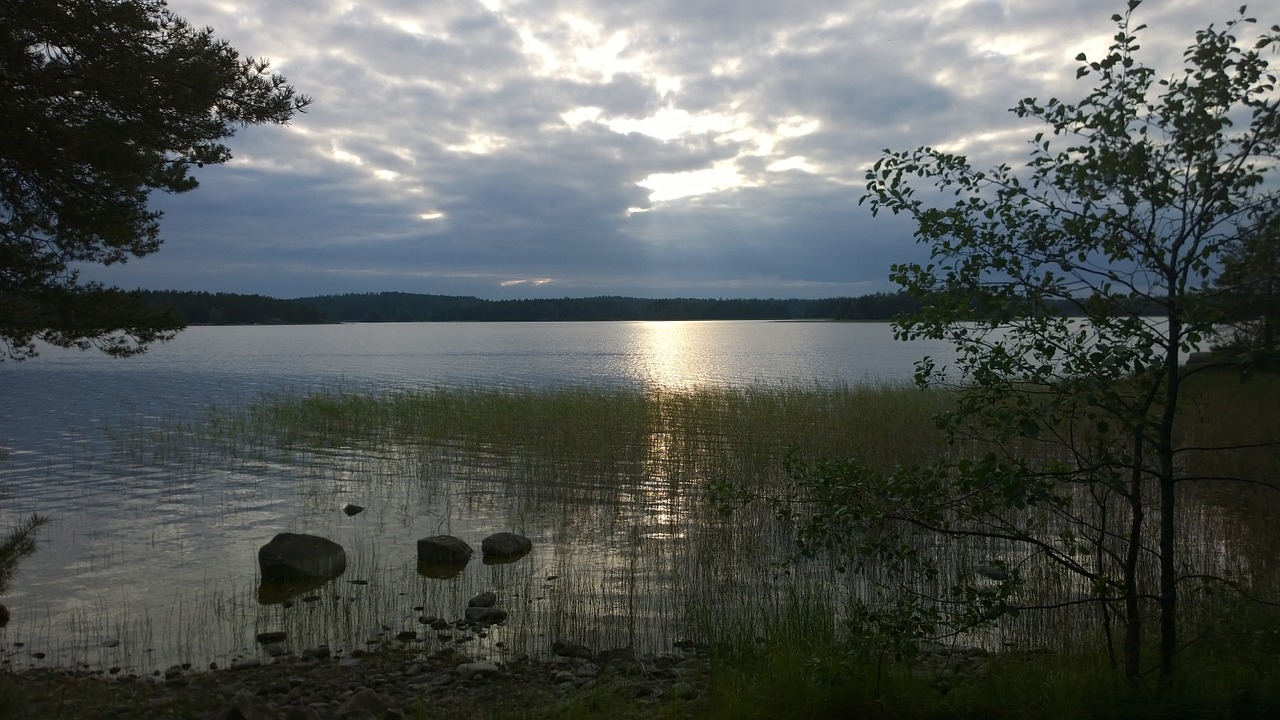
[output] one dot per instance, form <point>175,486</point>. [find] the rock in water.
<point>443,550</point>
<point>350,509</point>
<point>484,599</point>
<point>293,556</point>
<point>505,545</point>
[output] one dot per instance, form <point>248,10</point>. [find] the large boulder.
<point>505,546</point>
<point>443,550</point>
<point>291,557</point>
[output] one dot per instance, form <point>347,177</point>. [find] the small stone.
<point>483,600</point>
<point>276,636</point>
<point>350,509</point>
<point>468,671</point>
<point>365,703</point>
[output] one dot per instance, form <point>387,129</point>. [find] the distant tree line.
<point>203,308</point>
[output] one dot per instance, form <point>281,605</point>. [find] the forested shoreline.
<point>204,308</point>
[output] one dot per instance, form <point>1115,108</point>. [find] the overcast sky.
<point>656,148</point>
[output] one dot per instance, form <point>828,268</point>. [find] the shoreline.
<point>383,683</point>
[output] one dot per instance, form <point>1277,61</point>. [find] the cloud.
<point>504,148</point>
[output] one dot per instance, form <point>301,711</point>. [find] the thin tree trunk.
<point>1100,569</point>
<point>1168,529</point>
<point>1132,608</point>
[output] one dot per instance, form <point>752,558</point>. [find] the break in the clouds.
<point>708,148</point>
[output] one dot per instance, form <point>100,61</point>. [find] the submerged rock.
<point>505,546</point>
<point>294,556</point>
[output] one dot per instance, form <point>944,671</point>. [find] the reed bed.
<point>609,482</point>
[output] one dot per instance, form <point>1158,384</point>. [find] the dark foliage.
<point>102,103</point>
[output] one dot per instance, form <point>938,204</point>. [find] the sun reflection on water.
<point>662,353</point>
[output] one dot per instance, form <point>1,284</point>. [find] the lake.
<point>149,559</point>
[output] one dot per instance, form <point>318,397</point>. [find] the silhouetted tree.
<point>102,103</point>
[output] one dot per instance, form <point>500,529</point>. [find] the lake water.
<point>149,559</point>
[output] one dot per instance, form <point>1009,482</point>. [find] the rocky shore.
<point>384,684</point>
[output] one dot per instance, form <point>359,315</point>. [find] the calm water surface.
<point>150,557</point>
